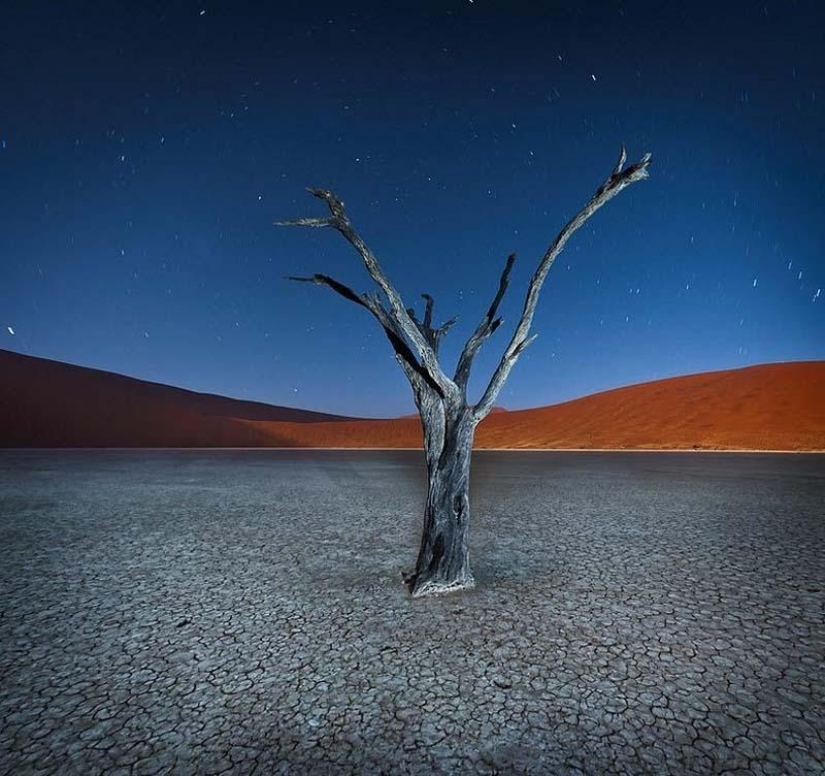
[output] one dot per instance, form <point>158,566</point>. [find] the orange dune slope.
<point>768,407</point>
<point>46,403</point>
<point>765,407</point>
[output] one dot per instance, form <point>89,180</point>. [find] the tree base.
<point>419,588</point>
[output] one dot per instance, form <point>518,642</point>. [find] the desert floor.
<point>241,612</point>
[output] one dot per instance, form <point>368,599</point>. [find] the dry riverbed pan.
<point>242,612</point>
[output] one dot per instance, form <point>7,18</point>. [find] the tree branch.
<point>404,322</point>
<point>618,180</point>
<point>419,378</point>
<point>326,280</point>
<point>428,312</point>
<point>316,222</point>
<point>433,336</point>
<point>484,329</point>
<point>403,353</point>
<point>446,326</point>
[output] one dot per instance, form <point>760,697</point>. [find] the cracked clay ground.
<point>242,612</point>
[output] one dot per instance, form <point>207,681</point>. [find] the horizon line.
<point>411,415</point>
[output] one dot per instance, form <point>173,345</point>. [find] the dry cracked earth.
<point>241,613</point>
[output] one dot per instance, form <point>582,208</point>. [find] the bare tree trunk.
<point>444,559</point>
<point>449,424</point>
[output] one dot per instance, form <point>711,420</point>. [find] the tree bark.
<point>448,421</point>
<point>443,563</point>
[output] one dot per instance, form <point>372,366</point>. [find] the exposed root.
<point>435,587</point>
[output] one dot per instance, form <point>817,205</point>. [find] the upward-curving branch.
<point>484,329</point>
<point>619,179</point>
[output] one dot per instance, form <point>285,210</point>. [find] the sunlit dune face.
<point>771,407</point>
<point>768,407</point>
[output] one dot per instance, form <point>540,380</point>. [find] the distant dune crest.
<point>767,407</point>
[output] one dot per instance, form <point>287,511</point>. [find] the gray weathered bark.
<point>444,558</point>
<point>443,562</point>
<point>448,420</point>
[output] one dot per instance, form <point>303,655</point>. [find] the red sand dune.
<point>47,403</point>
<point>767,407</point>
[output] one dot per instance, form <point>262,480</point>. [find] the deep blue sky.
<point>146,148</point>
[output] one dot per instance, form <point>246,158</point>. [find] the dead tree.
<point>448,420</point>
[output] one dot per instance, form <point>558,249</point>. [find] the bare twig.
<point>428,312</point>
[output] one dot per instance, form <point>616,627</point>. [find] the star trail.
<point>146,150</point>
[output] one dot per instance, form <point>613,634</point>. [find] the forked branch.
<point>403,322</point>
<point>619,179</point>
<point>433,336</point>
<point>412,368</point>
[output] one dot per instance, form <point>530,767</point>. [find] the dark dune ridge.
<point>767,407</point>
<point>46,403</point>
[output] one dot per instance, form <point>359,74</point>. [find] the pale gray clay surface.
<point>242,612</point>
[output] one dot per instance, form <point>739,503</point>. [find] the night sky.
<point>147,148</point>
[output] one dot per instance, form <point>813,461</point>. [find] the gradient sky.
<point>146,148</point>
